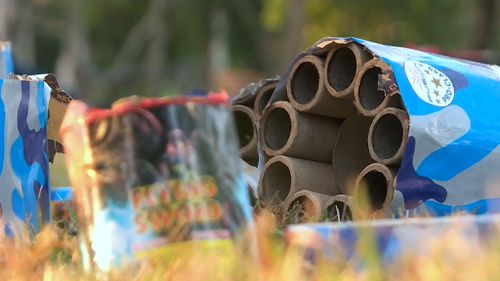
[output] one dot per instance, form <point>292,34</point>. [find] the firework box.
<point>24,192</point>
<point>153,177</point>
<point>390,239</point>
<point>451,159</point>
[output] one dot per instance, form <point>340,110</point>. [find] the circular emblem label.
<point>430,84</point>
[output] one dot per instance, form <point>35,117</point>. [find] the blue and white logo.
<point>430,84</point>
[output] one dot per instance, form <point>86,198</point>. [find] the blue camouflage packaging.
<point>451,159</point>
<point>24,184</point>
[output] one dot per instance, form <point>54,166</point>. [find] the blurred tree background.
<point>103,50</point>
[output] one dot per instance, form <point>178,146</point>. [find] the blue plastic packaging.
<point>24,191</point>
<point>392,239</point>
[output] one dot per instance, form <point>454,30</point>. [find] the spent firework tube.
<point>445,150</point>
<point>153,175</point>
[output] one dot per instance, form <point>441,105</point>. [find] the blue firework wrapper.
<point>151,175</point>
<point>390,240</point>
<point>24,192</point>
<point>451,159</point>
<point>6,63</point>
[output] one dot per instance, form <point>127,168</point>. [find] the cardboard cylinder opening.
<point>305,81</point>
<point>341,69</point>
<point>388,136</point>
<point>369,98</point>
<point>284,131</point>
<point>283,176</point>
<point>276,181</point>
<point>306,206</point>
<point>245,127</point>
<point>377,182</point>
<point>341,66</point>
<point>306,209</point>
<point>340,208</point>
<point>278,128</point>
<point>307,93</point>
<point>262,98</point>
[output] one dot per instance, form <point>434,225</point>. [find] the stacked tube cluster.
<point>329,135</point>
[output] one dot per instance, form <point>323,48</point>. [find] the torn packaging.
<point>58,103</point>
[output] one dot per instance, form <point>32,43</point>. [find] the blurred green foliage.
<point>161,47</point>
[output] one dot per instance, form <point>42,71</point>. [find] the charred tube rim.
<point>263,96</point>
<point>341,66</point>
<point>278,128</point>
<point>344,205</point>
<point>306,82</point>
<point>368,99</point>
<point>245,127</point>
<point>388,136</point>
<point>378,180</point>
<point>276,180</point>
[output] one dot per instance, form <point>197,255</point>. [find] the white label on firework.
<point>430,84</point>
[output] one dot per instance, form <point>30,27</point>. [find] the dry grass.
<point>54,256</point>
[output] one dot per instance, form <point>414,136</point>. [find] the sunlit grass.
<point>451,256</point>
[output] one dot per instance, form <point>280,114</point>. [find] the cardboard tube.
<point>350,153</point>
<point>245,125</point>
<point>307,92</point>
<point>370,97</point>
<point>283,176</point>
<point>309,206</point>
<point>262,98</point>
<point>388,136</point>
<point>378,183</point>
<point>341,208</point>
<point>284,131</point>
<point>341,65</point>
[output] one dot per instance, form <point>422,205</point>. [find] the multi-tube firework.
<point>403,128</point>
